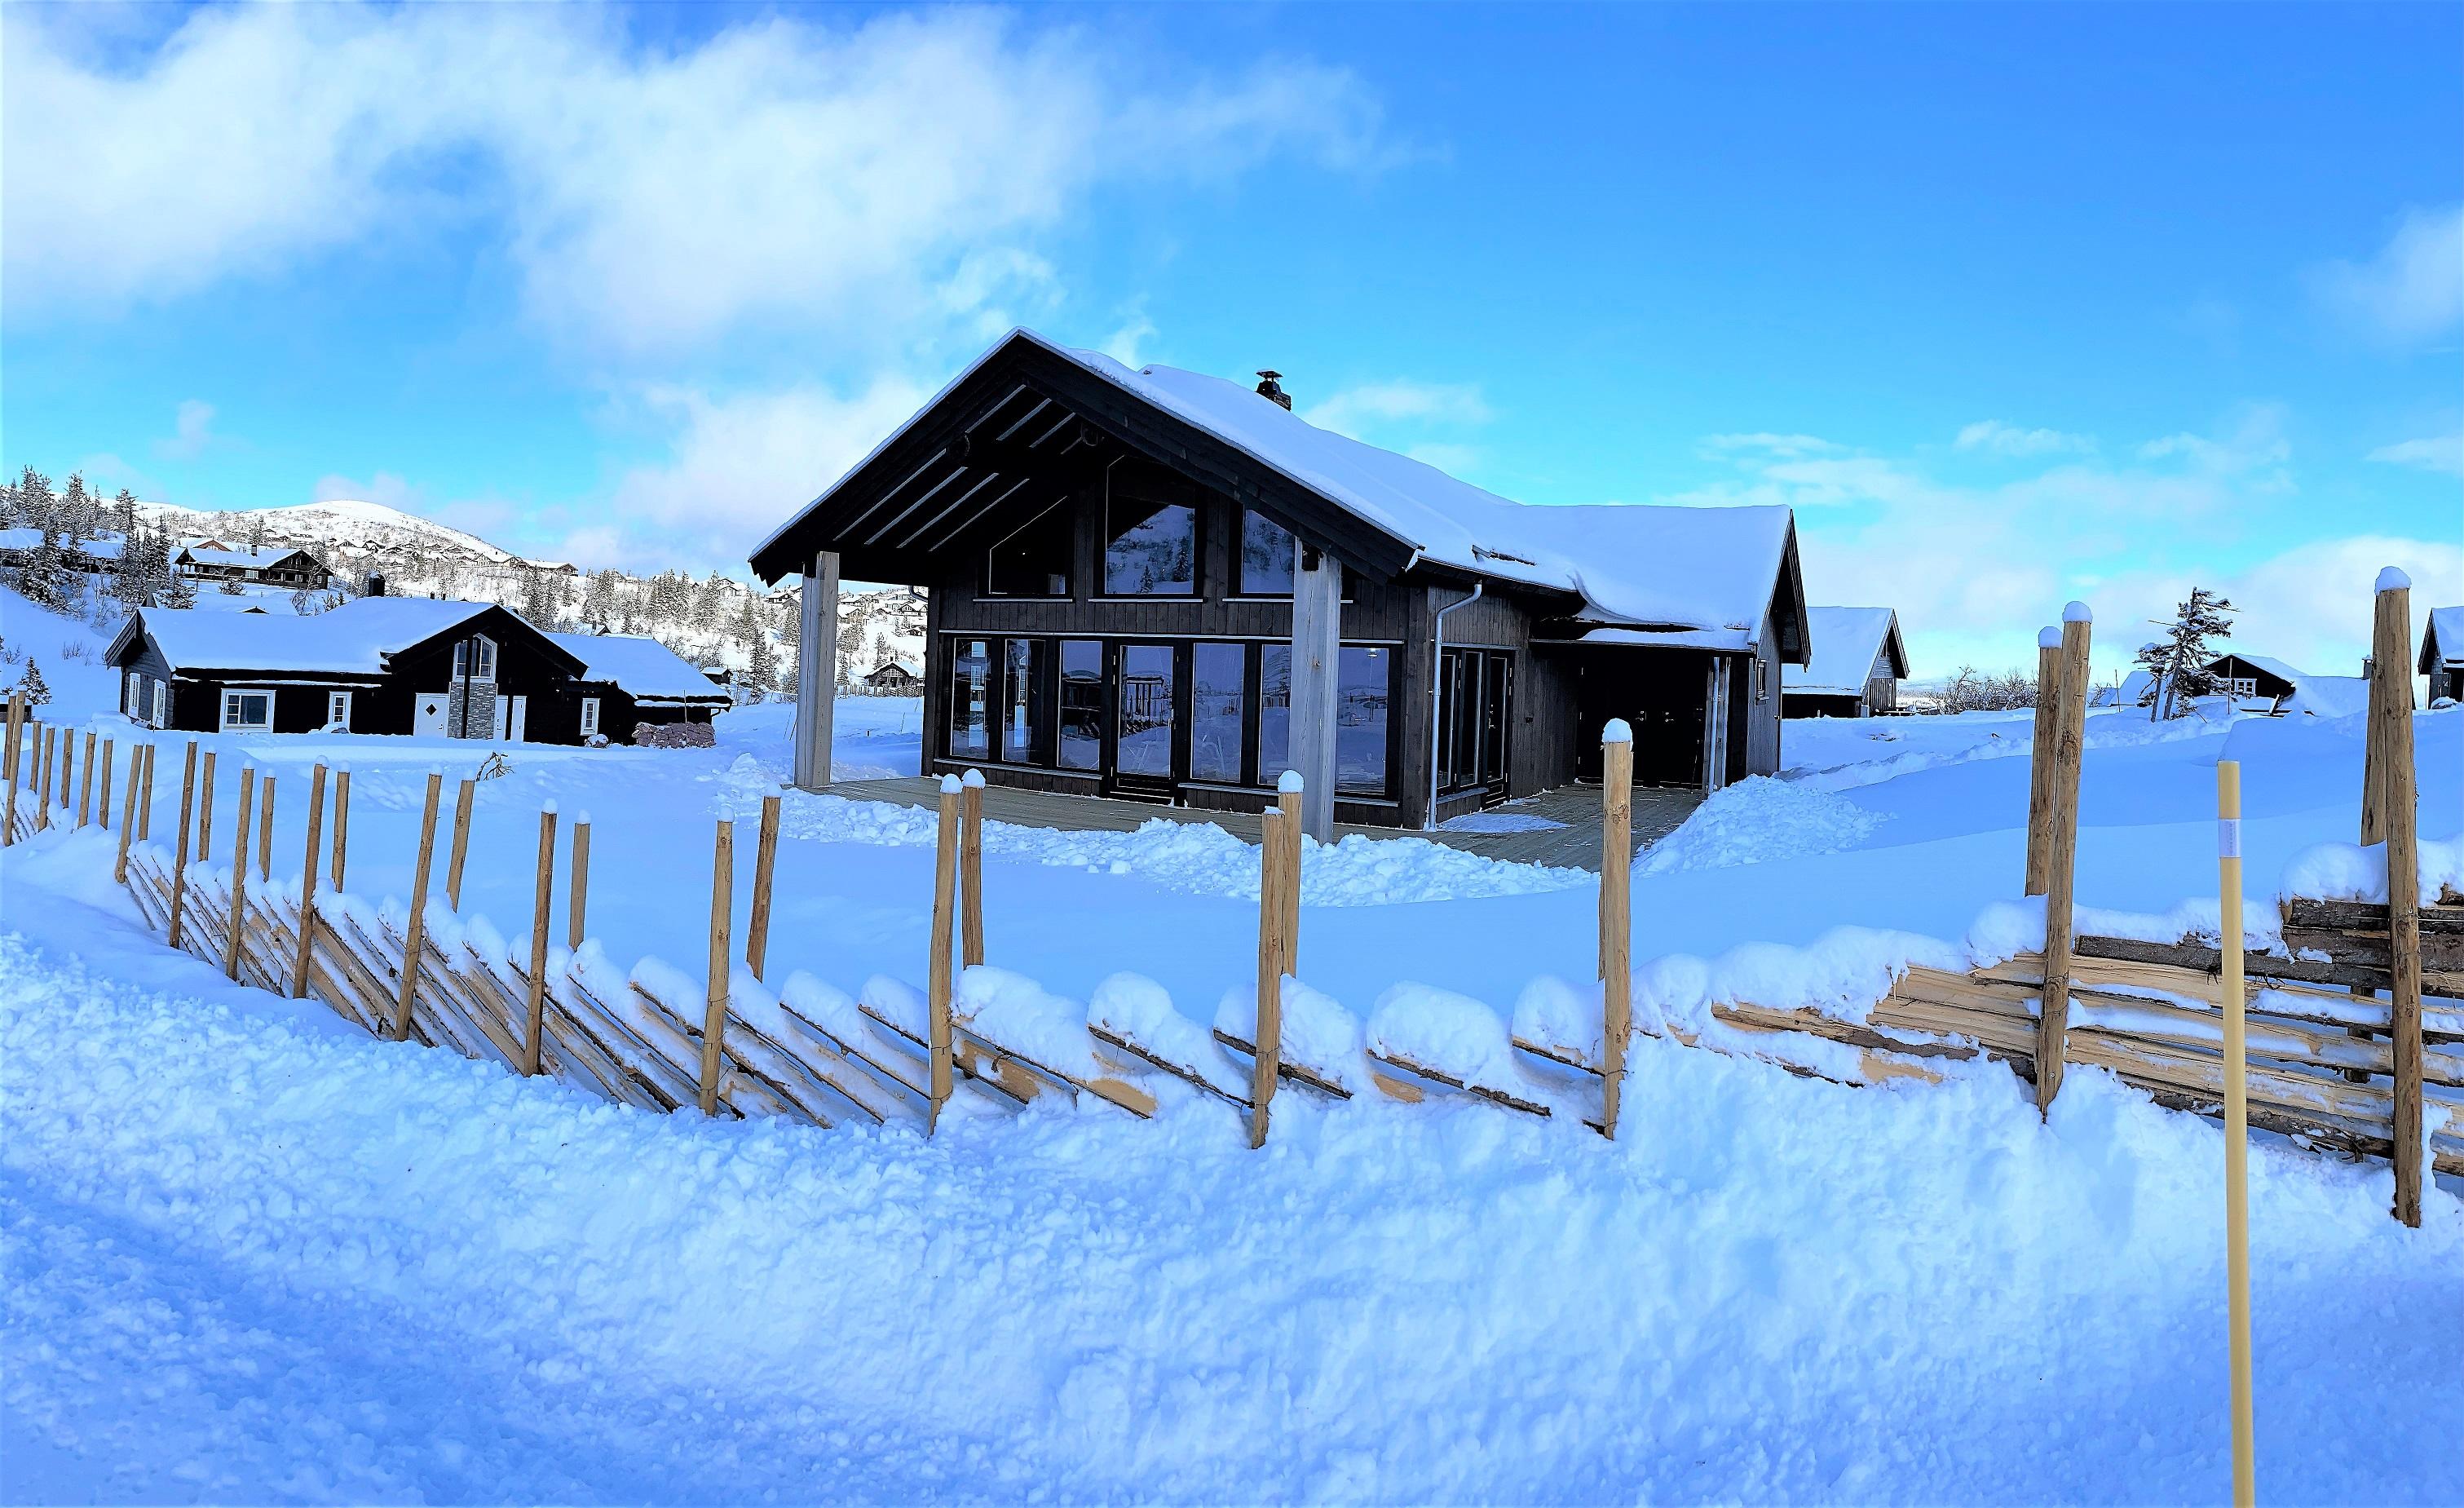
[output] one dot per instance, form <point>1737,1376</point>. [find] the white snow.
<point>1502,821</point>
<point>643,667</point>
<point>1846,642</point>
<point>355,638</point>
<point>1759,820</point>
<point>2394,579</point>
<point>2077,612</point>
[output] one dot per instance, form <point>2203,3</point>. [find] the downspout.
<point>1436,685</point>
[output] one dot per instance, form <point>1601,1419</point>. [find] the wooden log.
<point>2368,916</point>
<point>239,873</point>
<point>1617,916</point>
<point>206,807</point>
<point>341,820</point>
<point>127,815</point>
<point>1418,1070</point>
<point>1289,803</point>
<point>2391,730</point>
<point>1286,1070</point>
<point>102,807</point>
<point>1186,1073</point>
<point>416,927</point>
<point>1267,1050</point>
<point>2061,850</point>
<point>936,978</point>
<point>308,880</point>
<point>146,806</point>
<point>1119,1093</point>
<point>971,866</point>
<point>9,765</point>
<point>891,1089</point>
<point>541,894</point>
<point>265,828</point>
<point>2234,1002</point>
<point>2199,956</point>
<point>765,862</point>
<point>461,849</point>
<point>85,784</point>
<point>180,865</point>
<point>48,761</point>
<point>577,896</point>
<point>722,895</point>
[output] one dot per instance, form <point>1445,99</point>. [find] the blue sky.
<point>2013,304</point>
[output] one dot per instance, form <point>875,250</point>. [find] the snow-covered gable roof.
<point>96,546</point>
<point>1704,570</point>
<point>207,552</point>
<point>1846,643</point>
<point>353,639</point>
<point>642,667</point>
<point>2442,641</point>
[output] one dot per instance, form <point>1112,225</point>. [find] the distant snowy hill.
<point>369,527</point>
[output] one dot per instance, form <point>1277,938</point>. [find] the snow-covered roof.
<point>642,667</point>
<point>98,546</point>
<point>2330,696</point>
<point>1633,563</point>
<point>2265,664</point>
<point>901,666</point>
<point>1846,643</point>
<point>206,552</point>
<point>2442,642</point>
<point>352,639</point>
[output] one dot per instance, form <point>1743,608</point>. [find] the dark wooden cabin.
<point>1855,669</point>
<point>1125,567</point>
<point>629,681</point>
<point>402,665</point>
<point>2442,654</point>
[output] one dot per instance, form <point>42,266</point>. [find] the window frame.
<point>479,667</point>
<point>589,717</point>
<point>1066,506</point>
<point>1238,586</point>
<point>1196,507</point>
<point>240,695</point>
<point>342,700</point>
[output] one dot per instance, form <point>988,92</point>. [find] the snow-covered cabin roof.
<point>2442,641</point>
<point>105,547</point>
<point>1846,643</point>
<point>642,667</point>
<point>356,639</point>
<point>1709,570</point>
<point>900,666</point>
<point>208,552</point>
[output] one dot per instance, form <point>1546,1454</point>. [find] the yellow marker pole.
<point>2236,1130</point>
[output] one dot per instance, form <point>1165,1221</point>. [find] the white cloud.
<point>2437,452</point>
<point>2412,290</point>
<point>191,432</point>
<point>1764,442</point>
<point>2008,439</point>
<point>1125,344</point>
<point>841,179</point>
<point>2252,447</point>
<point>1371,406</point>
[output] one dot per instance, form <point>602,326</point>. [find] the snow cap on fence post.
<point>2394,579</point>
<point>2049,638</point>
<point>1289,782</point>
<point>2077,612</point>
<point>973,780</point>
<point>1618,731</point>
<point>548,807</point>
<point>950,785</point>
<point>581,818</point>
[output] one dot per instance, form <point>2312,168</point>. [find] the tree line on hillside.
<point>68,532</point>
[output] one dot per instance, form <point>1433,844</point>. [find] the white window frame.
<point>238,695</point>
<point>486,667</point>
<point>338,708</point>
<point>2245,686</point>
<point>589,717</point>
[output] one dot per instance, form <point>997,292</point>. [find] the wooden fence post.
<point>539,938</point>
<point>1287,801</point>
<point>461,843</point>
<point>180,865</point>
<point>85,784</point>
<point>1616,915</point>
<point>970,865</point>
<point>145,804</point>
<point>308,881</point>
<point>265,828</point>
<point>2235,1001</point>
<point>127,816</point>
<point>2398,818</point>
<point>206,807</point>
<point>238,874</point>
<point>714,1017</point>
<point>416,931</point>
<point>2061,854</point>
<point>936,977</point>
<point>580,898</point>
<point>341,820</point>
<point>9,765</point>
<point>766,858</point>
<point>48,762</point>
<point>1271,951</point>
<point>102,808</point>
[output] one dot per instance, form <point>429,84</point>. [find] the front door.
<point>428,714</point>
<point>517,710</point>
<point>1145,721</point>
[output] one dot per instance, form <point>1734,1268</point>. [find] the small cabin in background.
<point>895,677</point>
<point>273,565</point>
<point>629,682</point>
<point>2254,677</point>
<point>1858,665</point>
<point>2442,654</point>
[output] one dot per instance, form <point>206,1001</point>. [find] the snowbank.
<point>1760,820</point>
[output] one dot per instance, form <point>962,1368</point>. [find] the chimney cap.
<point>1273,390</point>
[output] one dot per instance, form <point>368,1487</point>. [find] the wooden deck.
<point>1577,845</point>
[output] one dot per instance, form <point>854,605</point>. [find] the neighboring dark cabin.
<point>2442,654</point>
<point>399,665</point>
<point>270,565</point>
<point>1114,560</point>
<point>895,676</point>
<point>1856,666</point>
<point>2253,677</point>
<point>628,682</point>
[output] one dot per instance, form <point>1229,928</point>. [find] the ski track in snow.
<point>250,1257</point>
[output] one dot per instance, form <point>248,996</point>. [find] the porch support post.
<point>1318,640</point>
<point>817,654</point>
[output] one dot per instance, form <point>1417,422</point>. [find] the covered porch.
<point>1570,841</point>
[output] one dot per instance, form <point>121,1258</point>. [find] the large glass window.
<point>1362,695</point>
<point>1268,557</point>
<point>1274,712</point>
<point>1034,562</point>
<point>244,710</point>
<point>1081,704</point>
<point>1146,708</point>
<point>1497,699</point>
<point>1219,688</point>
<point>1151,549</point>
<point>971,673</point>
<point>484,668</point>
<point>1027,710</point>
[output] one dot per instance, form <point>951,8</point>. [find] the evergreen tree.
<point>124,514</point>
<point>35,504</point>
<point>763,672</point>
<point>178,590</point>
<point>32,684</point>
<point>599,600</point>
<point>2177,663</point>
<point>256,532</point>
<point>39,580</point>
<point>77,512</point>
<point>542,598</point>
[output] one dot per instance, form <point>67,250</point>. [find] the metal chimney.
<point>1269,387</point>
